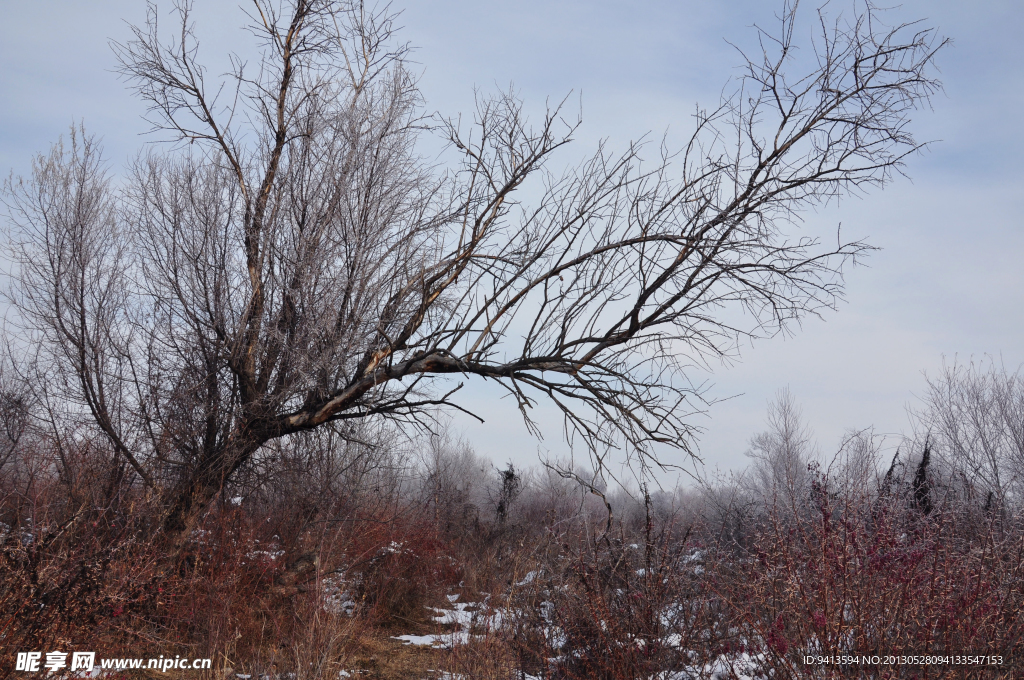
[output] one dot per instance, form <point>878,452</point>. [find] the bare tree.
<point>15,406</point>
<point>973,416</point>
<point>289,261</point>
<point>779,476</point>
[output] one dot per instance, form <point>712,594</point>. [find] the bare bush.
<point>77,560</point>
<point>871,572</point>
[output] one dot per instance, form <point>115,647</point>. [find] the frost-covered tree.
<point>289,261</point>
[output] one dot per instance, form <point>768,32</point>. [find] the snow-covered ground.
<point>466,620</point>
<point>473,620</point>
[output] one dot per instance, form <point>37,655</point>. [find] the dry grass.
<point>841,572</point>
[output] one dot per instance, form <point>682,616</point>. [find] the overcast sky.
<point>947,282</point>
